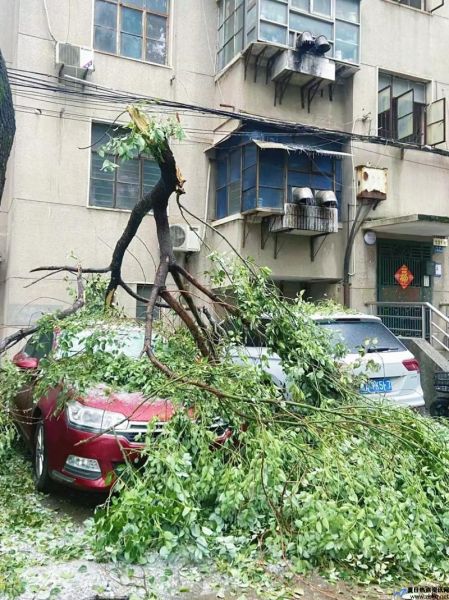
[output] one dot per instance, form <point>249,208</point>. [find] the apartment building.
<point>288,169</point>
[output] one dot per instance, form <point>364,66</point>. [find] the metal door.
<point>391,256</point>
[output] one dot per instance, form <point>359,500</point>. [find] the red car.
<point>110,426</point>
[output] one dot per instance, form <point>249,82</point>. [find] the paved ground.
<point>86,579</point>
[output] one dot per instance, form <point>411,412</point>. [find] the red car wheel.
<point>40,460</point>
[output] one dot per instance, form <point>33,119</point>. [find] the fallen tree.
<point>314,473</point>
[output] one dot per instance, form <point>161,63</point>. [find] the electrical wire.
<point>115,96</point>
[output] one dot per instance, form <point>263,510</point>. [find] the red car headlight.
<point>84,417</point>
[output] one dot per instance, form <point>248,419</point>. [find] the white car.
<point>395,375</point>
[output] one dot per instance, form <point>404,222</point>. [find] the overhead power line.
<point>71,87</point>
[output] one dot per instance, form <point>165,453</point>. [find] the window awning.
<point>299,148</point>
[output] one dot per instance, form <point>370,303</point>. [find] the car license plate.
<point>376,386</point>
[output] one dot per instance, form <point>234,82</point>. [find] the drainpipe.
<point>359,219</point>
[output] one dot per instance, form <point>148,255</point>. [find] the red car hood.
<point>130,404</point>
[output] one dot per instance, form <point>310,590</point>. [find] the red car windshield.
<point>129,342</point>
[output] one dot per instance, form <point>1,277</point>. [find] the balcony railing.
<point>414,319</point>
<point>305,220</point>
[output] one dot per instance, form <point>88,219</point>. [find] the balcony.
<point>305,220</point>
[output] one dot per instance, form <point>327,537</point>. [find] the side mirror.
<point>25,362</point>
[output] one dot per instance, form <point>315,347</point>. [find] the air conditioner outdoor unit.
<point>72,60</point>
<point>185,238</point>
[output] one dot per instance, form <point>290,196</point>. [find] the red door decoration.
<point>404,276</point>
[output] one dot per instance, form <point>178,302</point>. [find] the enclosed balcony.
<point>268,33</point>
<point>288,183</point>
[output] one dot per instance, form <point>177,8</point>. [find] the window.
<point>251,178</point>
<point>132,28</point>
<point>413,3</point>
<point>125,186</point>
<point>144,290</point>
<point>230,30</point>
<point>403,114</point>
<point>280,21</point>
<point>426,5</point>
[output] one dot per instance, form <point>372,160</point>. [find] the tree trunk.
<point>7,122</point>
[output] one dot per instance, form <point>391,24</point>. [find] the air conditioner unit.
<point>185,238</point>
<point>72,60</point>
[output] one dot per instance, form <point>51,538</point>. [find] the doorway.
<point>416,284</point>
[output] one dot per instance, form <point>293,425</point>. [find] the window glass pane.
<point>158,5</point>
<point>251,36</point>
<point>101,193</point>
<point>151,175</point>
<point>229,7</point>
<point>323,7</point>
<point>234,165</point>
<point>129,171</point>
<point>420,92</point>
<point>157,27</point>
<point>156,46</point>
<point>405,104</point>
<point>349,10</point>
<point>249,155</point>
<point>315,26</point>
<point>251,18</point>
<point>138,3</point>
<point>274,11</point>
<point>229,28</point>
<point>131,21</point>
<point>100,134</point>
<point>131,46</point>
<point>239,18</point>
<point>222,169</point>
<point>321,182</point>
<point>156,52</point>
<point>228,52</point>
<point>234,197</point>
<point>405,127</point>
<point>238,42</point>
<point>105,39</point>
<point>273,33</point>
<point>271,198</point>
<point>298,179</point>
<point>127,195</point>
<point>249,199</point>
<point>323,165</point>
<point>384,80</point>
<point>96,164</point>
<point>347,42</point>
<point>222,203</point>
<point>384,102</point>
<point>271,172</point>
<point>300,161</point>
<point>249,177</point>
<point>400,86</point>
<point>105,14</point>
<point>301,4</point>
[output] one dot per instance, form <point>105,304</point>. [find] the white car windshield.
<point>129,342</point>
<point>367,335</point>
